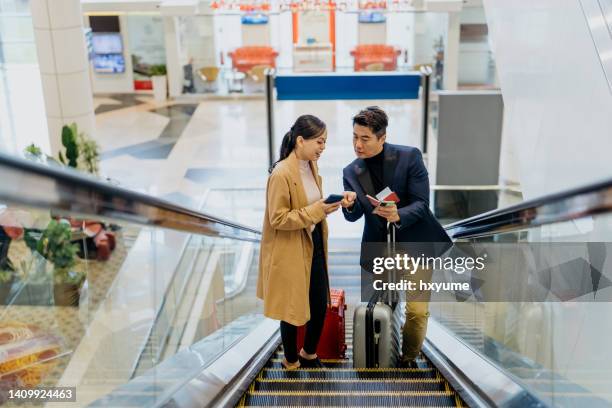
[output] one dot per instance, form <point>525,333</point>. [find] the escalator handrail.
<point>68,192</point>
<point>567,205</point>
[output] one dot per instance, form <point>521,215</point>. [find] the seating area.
<point>209,75</point>
<point>369,57</point>
<point>244,59</point>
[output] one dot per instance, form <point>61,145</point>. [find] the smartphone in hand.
<point>333,198</point>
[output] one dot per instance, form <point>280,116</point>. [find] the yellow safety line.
<point>354,393</point>
<point>350,380</point>
<point>360,370</point>
<point>342,360</point>
<point>242,401</point>
<point>458,401</point>
<point>446,387</point>
<point>323,360</point>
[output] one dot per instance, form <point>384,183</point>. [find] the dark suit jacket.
<point>405,174</point>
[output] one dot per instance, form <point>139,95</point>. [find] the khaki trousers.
<point>417,315</point>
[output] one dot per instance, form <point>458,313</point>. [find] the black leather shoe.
<point>408,364</point>
<point>312,363</point>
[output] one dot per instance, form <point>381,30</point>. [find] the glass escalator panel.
<point>556,347</point>
<point>100,285</point>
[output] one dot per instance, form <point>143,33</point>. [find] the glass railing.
<point>455,203</point>
<point>100,285</point>
<point>558,345</point>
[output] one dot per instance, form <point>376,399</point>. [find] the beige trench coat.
<point>286,245</point>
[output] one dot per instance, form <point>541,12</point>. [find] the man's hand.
<point>388,212</point>
<point>349,199</point>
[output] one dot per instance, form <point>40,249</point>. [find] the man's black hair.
<point>374,119</point>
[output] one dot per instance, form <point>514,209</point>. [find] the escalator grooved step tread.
<point>348,374</point>
<point>357,393</point>
<point>347,380</point>
<point>333,364</point>
<point>366,370</point>
<point>355,386</point>
<point>349,399</point>
<point>340,384</point>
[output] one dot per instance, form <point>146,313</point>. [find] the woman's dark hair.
<point>374,119</point>
<point>307,126</point>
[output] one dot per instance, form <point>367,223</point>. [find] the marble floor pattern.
<point>155,149</point>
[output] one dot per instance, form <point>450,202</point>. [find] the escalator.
<point>512,354</point>
<point>339,384</point>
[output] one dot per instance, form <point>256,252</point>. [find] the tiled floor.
<point>181,151</point>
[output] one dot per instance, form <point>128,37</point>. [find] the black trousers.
<point>317,297</point>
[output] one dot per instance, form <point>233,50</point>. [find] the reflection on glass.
<point>93,304</point>
<point>558,350</point>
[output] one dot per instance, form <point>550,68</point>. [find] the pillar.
<point>174,59</point>
<point>451,52</point>
<point>64,67</point>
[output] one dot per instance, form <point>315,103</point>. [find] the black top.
<point>375,167</point>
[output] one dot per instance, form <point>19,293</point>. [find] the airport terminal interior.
<point>136,140</point>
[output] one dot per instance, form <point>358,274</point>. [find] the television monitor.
<point>104,24</point>
<point>254,19</point>
<point>109,63</point>
<point>372,17</point>
<point>107,43</point>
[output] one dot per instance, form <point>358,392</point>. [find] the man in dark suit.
<point>401,168</point>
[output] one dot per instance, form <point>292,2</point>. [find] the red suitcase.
<point>332,344</point>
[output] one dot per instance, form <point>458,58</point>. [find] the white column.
<point>64,69</point>
<point>451,51</point>
<point>174,60</point>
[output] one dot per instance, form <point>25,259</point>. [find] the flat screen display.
<point>372,17</point>
<point>109,63</point>
<point>107,43</point>
<point>104,24</point>
<point>254,19</point>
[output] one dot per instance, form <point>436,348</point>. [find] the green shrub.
<point>158,70</point>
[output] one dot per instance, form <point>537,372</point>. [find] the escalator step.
<point>395,399</point>
<point>333,364</point>
<point>352,385</point>
<point>342,373</point>
<point>281,354</point>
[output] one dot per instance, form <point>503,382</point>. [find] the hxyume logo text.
<point>413,264</point>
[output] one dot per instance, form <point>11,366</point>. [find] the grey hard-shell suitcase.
<point>376,329</point>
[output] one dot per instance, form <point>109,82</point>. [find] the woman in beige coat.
<point>293,280</point>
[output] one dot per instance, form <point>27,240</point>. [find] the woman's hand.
<point>329,208</point>
<point>349,199</point>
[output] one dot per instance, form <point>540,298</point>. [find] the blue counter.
<point>356,85</point>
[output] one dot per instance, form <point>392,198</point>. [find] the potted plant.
<point>7,276</point>
<point>7,271</point>
<point>90,154</point>
<point>35,154</point>
<point>158,78</point>
<point>81,152</point>
<point>54,244</point>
